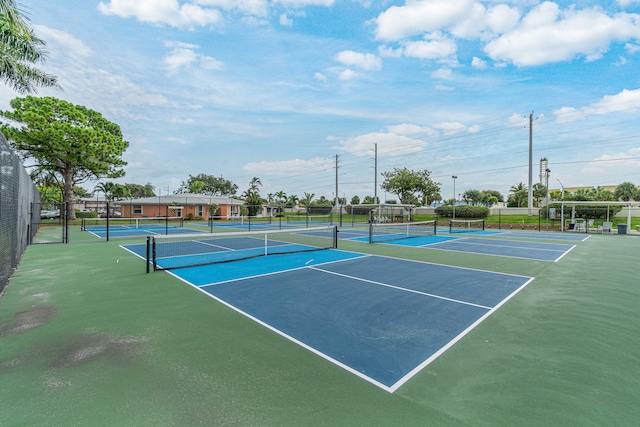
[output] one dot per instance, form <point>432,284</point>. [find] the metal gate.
<point>49,223</point>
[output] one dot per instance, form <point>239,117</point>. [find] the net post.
<point>153,254</point>
<point>335,237</point>
<point>435,227</point>
<point>266,244</point>
<point>148,252</point>
<point>483,225</point>
<point>107,221</point>
<point>371,232</point>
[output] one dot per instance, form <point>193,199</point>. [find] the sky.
<point>285,90</point>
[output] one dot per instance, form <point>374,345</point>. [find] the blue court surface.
<point>496,247</point>
<point>505,248</point>
<point>380,318</point>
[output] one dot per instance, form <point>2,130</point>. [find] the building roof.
<point>185,199</point>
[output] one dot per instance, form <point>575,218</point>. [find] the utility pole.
<point>375,175</point>
<point>530,204</point>
<point>337,196</point>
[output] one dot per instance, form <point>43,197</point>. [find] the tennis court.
<point>380,318</point>
<point>424,235</point>
<point>134,227</point>
<point>87,335</point>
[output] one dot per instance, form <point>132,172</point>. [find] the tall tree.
<point>72,141</point>
<point>255,184</point>
<point>138,190</point>
<point>20,50</point>
<point>214,186</point>
<point>292,201</point>
<point>519,193</point>
<point>411,187</point>
<point>472,197</point>
<point>539,192</point>
<point>307,200</point>
<point>197,187</point>
<point>627,191</point>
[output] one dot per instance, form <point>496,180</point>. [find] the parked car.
<point>114,214</point>
<point>50,214</point>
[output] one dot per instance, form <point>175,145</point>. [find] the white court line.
<point>401,288</point>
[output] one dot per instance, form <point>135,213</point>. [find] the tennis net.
<point>190,250</point>
<point>384,232</point>
<point>115,224</point>
<point>466,225</point>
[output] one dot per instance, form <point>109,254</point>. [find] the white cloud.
<point>476,62</point>
<point>627,101</point>
<point>416,17</point>
<point>69,44</point>
<point>320,77</point>
<point>632,48</point>
<point>366,61</point>
<point>304,3</point>
<point>547,34</point>
<point>258,8</point>
<point>179,58</point>
<point>348,74</point>
<point>625,3</point>
<point>434,46</point>
<point>183,55</point>
<point>210,63</point>
<point>452,128</point>
<point>443,74</point>
<point>517,120</point>
<point>162,12</point>
<point>389,52</point>
<point>389,144</point>
<point>285,20</point>
<point>410,129</point>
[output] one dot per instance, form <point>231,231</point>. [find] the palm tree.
<point>626,191</point>
<point>306,200</point>
<point>255,182</point>
<point>19,50</point>
<point>106,188</point>
<point>519,193</point>
<point>253,202</point>
<point>539,192</point>
<point>293,200</point>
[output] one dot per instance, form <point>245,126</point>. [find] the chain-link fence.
<point>17,193</point>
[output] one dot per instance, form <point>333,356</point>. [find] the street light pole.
<point>547,172</point>
<point>454,196</point>
<point>562,187</point>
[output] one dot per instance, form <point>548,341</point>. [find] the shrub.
<point>80,214</point>
<point>463,211</point>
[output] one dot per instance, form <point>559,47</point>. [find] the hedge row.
<point>463,211</point>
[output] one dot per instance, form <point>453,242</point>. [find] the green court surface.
<point>88,339</point>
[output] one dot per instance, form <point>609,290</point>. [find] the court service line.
<point>271,273</point>
<point>498,245</point>
<point>401,288</point>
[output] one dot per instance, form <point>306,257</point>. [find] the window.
<point>200,210</point>
<point>137,209</point>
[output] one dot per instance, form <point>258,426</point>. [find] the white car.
<point>50,214</point>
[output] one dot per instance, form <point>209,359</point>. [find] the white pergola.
<point>629,205</point>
